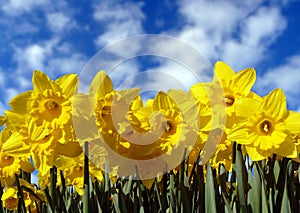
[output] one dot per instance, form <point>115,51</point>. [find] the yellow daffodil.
<point>48,101</point>
<point>73,169</point>
<point>52,99</point>
<point>10,198</point>
<point>226,87</point>
<point>267,126</point>
<point>235,85</point>
<point>11,165</point>
<point>160,128</point>
<point>42,143</point>
<point>42,120</point>
<point>222,149</point>
<point>31,195</point>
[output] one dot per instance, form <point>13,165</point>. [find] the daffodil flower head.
<point>11,165</point>
<point>235,85</point>
<point>265,128</point>
<point>52,107</point>
<point>10,198</point>
<point>52,100</point>
<point>73,169</point>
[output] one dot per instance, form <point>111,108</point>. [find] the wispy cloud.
<point>17,7</point>
<point>119,20</point>
<point>285,76</point>
<point>236,32</point>
<point>60,21</point>
<point>52,56</point>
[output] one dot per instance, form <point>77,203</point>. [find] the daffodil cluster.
<point>47,126</point>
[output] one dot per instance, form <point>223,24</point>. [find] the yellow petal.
<point>293,122</point>
<point>41,163</point>
<point>244,80</point>
<point>265,143</point>
<point>64,163</point>
<point>42,82</point>
<point>177,95</point>
<point>254,154</point>
<point>37,133</point>
<point>101,84</point>
<point>71,149</point>
<point>85,128</point>
<point>163,102</point>
<point>68,84</point>
<point>14,146</point>
<point>22,103</point>
<point>137,103</point>
<point>245,107</point>
<point>2,120</point>
<point>4,135</point>
<point>287,149</point>
<point>96,172</point>
<point>127,95</point>
<point>275,103</point>
<point>239,134</point>
<point>202,91</point>
<point>222,71</point>
<point>148,182</point>
<point>10,192</point>
<point>14,120</point>
<point>27,166</point>
<point>149,103</point>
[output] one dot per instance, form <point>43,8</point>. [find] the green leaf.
<point>276,171</point>
<point>254,194</point>
<point>264,201</point>
<point>86,193</point>
<point>127,186</point>
<point>240,176</point>
<point>210,199</point>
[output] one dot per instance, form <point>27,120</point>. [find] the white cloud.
<point>236,32</point>
<point>263,26</point>
<point>51,56</point>
<point>33,56</point>
<point>258,32</point>
<point>2,77</point>
<point>71,63</point>
<point>17,7</point>
<point>59,21</point>
<point>285,76</point>
<point>23,83</point>
<point>122,19</point>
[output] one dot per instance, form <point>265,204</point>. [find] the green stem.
<point>86,195</point>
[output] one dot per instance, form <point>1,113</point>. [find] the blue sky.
<point>60,37</point>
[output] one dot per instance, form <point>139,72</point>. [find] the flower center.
<point>266,127</point>
<point>229,100</point>
<point>169,127</point>
<point>51,105</point>
<point>106,111</point>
